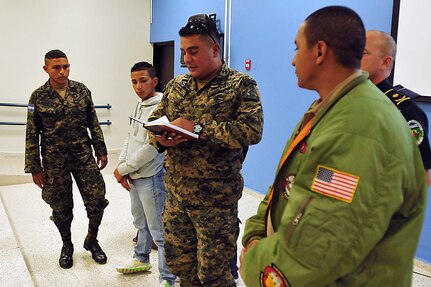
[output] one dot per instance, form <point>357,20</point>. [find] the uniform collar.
<point>340,90</point>
<point>221,76</point>
<point>47,86</point>
<point>384,85</point>
<point>319,108</point>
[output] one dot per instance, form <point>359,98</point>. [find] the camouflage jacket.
<point>230,112</point>
<point>58,127</point>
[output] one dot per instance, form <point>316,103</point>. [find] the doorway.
<point>163,61</point>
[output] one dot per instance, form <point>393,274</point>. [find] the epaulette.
<point>397,95</point>
<point>406,92</point>
<point>183,81</point>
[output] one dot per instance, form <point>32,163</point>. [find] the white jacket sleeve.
<point>136,161</point>
<point>123,154</point>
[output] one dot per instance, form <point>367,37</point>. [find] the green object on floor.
<point>134,266</point>
<point>165,283</point>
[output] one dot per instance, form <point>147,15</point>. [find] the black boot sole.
<point>66,257</point>
<point>66,265</point>
<point>103,261</point>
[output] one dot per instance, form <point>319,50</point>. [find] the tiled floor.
<point>31,257</point>
<point>30,245</point>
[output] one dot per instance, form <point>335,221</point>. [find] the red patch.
<point>302,147</point>
<point>272,277</point>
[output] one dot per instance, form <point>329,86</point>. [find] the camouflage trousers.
<point>199,242</point>
<point>57,192</point>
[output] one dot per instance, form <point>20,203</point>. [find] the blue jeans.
<point>147,196</point>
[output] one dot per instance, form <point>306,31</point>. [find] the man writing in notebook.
<point>347,203</point>
<point>203,178</point>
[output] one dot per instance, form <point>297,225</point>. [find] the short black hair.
<point>341,29</point>
<point>200,24</point>
<point>54,54</point>
<point>144,66</point>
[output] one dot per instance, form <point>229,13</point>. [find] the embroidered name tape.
<point>334,183</point>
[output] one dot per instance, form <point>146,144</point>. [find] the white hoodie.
<point>138,158</point>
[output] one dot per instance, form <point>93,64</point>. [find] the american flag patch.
<point>334,183</point>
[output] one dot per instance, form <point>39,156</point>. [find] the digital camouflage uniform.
<point>348,203</point>
<point>57,129</point>
<point>203,177</point>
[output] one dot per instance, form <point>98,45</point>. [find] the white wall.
<point>414,41</point>
<point>102,39</point>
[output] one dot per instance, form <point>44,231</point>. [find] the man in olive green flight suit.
<point>60,113</point>
<point>347,204</point>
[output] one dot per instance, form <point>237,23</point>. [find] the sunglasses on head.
<point>200,23</point>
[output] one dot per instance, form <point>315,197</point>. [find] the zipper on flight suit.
<point>298,217</point>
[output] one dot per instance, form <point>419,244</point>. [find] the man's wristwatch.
<point>197,129</point>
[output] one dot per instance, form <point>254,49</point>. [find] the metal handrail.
<point>107,123</point>
<point>107,106</point>
<point>12,124</point>
<point>12,105</point>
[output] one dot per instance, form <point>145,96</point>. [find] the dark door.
<point>163,61</point>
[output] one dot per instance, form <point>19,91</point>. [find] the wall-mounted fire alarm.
<point>248,65</point>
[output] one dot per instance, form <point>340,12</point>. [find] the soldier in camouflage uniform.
<point>60,113</point>
<point>203,177</point>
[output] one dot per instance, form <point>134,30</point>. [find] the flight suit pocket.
<point>315,239</point>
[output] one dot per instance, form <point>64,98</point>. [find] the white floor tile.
<point>37,243</point>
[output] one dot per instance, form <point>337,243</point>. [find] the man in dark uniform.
<point>378,61</point>
<point>60,114</point>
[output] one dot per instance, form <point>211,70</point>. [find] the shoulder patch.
<point>334,183</point>
<point>417,131</point>
<point>272,277</point>
<point>248,81</point>
<point>30,107</point>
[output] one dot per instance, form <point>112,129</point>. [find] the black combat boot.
<point>66,256</point>
<point>91,244</point>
